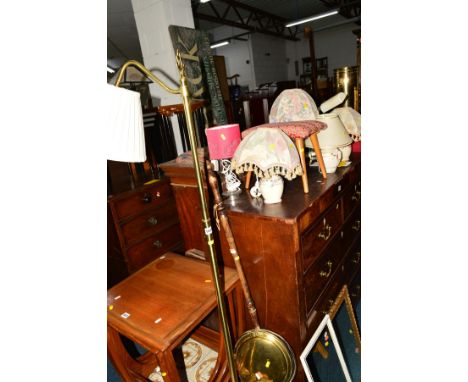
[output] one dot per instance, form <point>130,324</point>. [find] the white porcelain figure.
<point>272,189</point>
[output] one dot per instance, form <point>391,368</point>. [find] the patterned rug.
<point>199,362</point>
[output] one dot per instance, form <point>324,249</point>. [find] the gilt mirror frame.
<point>343,297</point>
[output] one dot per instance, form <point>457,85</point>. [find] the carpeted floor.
<point>199,359</point>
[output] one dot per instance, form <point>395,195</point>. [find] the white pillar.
<point>153,18</point>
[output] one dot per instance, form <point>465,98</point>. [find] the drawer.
<point>352,228</point>
<point>152,221</point>
<point>351,198</point>
<point>138,201</point>
<point>323,304</point>
<point>322,271</point>
<point>151,248</point>
<point>314,240</point>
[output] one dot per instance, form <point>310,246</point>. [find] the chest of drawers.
<point>142,225</point>
<point>298,254</point>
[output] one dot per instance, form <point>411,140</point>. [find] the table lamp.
<point>127,103</point>
<point>222,143</point>
<point>270,154</point>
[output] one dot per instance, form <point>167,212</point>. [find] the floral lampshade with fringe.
<point>267,152</point>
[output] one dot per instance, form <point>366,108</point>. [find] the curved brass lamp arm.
<point>184,92</point>
<point>145,71</point>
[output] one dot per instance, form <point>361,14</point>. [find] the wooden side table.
<point>159,306</point>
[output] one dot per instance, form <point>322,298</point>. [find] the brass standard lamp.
<point>183,91</point>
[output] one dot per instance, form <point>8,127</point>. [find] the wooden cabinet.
<point>142,225</point>
<point>296,254</point>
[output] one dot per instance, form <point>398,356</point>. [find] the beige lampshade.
<point>125,130</point>
<point>335,135</point>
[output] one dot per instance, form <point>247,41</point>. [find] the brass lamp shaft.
<point>206,221</point>
<point>183,91</point>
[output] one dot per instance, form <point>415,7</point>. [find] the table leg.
<point>168,366</point>
<point>119,356</point>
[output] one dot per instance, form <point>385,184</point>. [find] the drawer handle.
<point>358,257</point>
<point>357,291</point>
<point>356,196</point>
<point>152,220</point>
<point>328,273</point>
<point>330,301</point>
<point>357,225</point>
<point>157,244</point>
<point>146,198</point>
<point>326,233</point>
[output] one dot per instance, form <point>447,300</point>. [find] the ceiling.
<point>259,16</point>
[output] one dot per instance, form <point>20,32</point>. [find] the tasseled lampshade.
<point>267,152</point>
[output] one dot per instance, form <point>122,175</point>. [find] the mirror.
<point>322,359</point>
<point>334,351</point>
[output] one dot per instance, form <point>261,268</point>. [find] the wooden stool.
<point>297,131</point>
<point>159,306</point>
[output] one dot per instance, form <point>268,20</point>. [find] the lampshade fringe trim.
<point>270,172</point>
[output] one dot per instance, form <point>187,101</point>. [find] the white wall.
<point>269,56</point>
<point>237,55</point>
<point>338,44</point>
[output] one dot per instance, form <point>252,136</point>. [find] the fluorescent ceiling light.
<point>313,18</point>
<point>204,1</point>
<point>219,44</point>
<point>110,70</point>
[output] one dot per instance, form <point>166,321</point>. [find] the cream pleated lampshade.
<point>124,122</point>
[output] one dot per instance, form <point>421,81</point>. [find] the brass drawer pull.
<point>326,232</point>
<point>157,244</point>
<point>357,225</point>
<point>358,257</point>
<point>356,196</point>
<point>148,198</point>
<point>328,273</point>
<point>330,301</point>
<point>152,220</point>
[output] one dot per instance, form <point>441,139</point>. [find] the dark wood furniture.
<point>296,254</point>
<point>159,307</point>
<point>142,225</point>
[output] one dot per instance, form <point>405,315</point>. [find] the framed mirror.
<point>322,359</point>
<point>347,332</point>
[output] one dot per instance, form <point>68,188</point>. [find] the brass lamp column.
<point>183,91</point>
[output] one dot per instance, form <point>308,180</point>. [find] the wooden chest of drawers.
<point>142,225</point>
<point>298,254</point>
